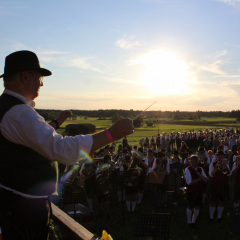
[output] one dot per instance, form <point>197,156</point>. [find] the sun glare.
<point>165,73</point>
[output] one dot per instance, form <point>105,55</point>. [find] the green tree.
<point>138,122</point>
<point>115,117</point>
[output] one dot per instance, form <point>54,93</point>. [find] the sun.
<point>165,73</point>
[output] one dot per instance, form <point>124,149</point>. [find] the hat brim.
<point>44,72</point>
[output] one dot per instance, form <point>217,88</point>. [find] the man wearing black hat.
<point>30,149</point>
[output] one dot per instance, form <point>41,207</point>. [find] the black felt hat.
<point>23,61</point>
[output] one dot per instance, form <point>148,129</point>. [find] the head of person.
<point>220,155</point>
<point>107,158</point>
<point>194,161</point>
<point>175,153</point>
<point>210,153</point>
<point>150,153</point>
<point>120,147</point>
<point>23,73</point>
<point>125,152</point>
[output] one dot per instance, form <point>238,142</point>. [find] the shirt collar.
<point>21,97</point>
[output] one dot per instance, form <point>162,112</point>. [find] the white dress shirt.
<point>188,175</point>
<point>23,125</point>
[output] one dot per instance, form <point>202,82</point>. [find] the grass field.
<point>154,130</point>
<point>126,229</point>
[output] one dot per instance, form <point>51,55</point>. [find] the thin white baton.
<point>143,111</point>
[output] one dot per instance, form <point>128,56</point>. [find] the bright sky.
<point>126,54</point>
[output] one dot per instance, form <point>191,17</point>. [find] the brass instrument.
<point>222,166</point>
<point>102,179</point>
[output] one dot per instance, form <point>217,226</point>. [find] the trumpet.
<point>222,167</point>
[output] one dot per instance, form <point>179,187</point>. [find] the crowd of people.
<point>203,163</point>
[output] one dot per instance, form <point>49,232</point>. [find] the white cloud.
<point>213,67</point>
<point>212,63</point>
<point>230,2</point>
<point>85,63</point>
<point>127,43</point>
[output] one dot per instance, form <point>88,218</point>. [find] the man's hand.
<point>118,130</point>
<point>121,128</point>
<point>63,115</point>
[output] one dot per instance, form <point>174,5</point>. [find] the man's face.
<point>194,162</point>
<point>34,84</point>
<point>219,157</point>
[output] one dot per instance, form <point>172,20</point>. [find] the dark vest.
<point>21,168</point>
<point>219,179</point>
<point>198,187</point>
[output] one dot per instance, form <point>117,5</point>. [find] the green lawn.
<point>152,131</point>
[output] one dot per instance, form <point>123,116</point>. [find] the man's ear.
<point>24,77</point>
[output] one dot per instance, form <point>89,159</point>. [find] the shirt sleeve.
<point>188,176</point>
<point>168,167</point>
<point>154,163</point>
<point>234,166</point>
<point>211,168</point>
<point>23,125</point>
<point>203,174</point>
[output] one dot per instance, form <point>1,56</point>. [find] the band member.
<point>158,141</point>
<point>219,190</point>
<point>175,172</point>
<point>150,160</point>
<point>142,179</point>
<point>123,167</point>
<point>88,174</point>
<point>183,150</point>
<point>134,173</point>
<point>161,163</point>
<point>103,185</point>
<point>204,163</point>
<point>162,168</point>
<point>236,172</point>
<point>187,161</point>
<point>195,179</point>
<point>210,156</point>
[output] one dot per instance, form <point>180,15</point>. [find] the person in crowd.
<point>104,186</point>
<point>141,142</point>
<point>88,173</point>
<point>232,141</point>
<point>158,141</point>
<point>183,150</point>
<point>30,149</point>
<point>147,141</point>
<point>120,150</point>
<point>236,172</point>
<point>178,140</point>
<point>216,143</point>
<point>132,185</point>
<point>125,142</point>
<point>152,141</point>
<point>195,179</point>
<point>219,189</point>
<point>172,141</point>
<point>210,157</point>
<point>149,161</point>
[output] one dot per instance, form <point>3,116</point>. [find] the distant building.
<point>76,129</point>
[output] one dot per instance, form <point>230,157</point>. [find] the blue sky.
<point>126,54</point>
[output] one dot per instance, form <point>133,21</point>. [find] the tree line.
<point>116,114</point>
